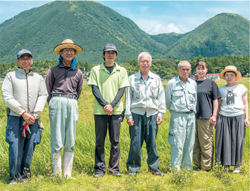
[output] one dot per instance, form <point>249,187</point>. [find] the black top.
<point>207,91</point>
<point>96,92</point>
<point>111,68</point>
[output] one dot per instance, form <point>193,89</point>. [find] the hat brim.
<point>238,76</point>
<point>59,47</point>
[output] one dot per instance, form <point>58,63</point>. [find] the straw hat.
<point>67,43</point>
<point>231,69</point>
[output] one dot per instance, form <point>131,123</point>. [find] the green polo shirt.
<point>108,84</point>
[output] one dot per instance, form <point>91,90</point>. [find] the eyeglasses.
<point>145,61</point>
<point>24,59</point>
<point>69,50</point>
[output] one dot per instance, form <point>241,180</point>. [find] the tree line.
<point>164,67</point>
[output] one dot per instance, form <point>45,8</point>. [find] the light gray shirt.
<point>145,96</point>
<point>181,97</point>
<point>231,97</point>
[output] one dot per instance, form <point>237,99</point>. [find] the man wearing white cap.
<point>64,85</point>
<point>24,92</point>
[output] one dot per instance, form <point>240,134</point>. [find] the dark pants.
<point>20,149</point>
<point>113,124</point>
<point>145,128</point>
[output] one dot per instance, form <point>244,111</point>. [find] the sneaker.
<point>13,182</point>
<point>117,174</point>
<point>99,174</point>
<point>159,173</point>
<point>130,173</point>
<point>236,169</point>
<point>197,169</point>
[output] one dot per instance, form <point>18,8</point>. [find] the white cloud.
<point>163,28</point>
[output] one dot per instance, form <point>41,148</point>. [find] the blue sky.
<point>153,17</point>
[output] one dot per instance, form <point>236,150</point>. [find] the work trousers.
<point>102,124</point>
<point>144,128</point>
<point>181,138</point>
<point>63,115</point>
<point>203,146</point>
<point>20,149</point>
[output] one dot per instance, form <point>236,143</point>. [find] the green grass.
<point>42,178</point>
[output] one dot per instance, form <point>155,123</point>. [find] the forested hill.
<point>92,25</point>
<point>224,34</point>
<point>87,23</point>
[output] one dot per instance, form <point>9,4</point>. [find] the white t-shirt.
<point>232,104</point>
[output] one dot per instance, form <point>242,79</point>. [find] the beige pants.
<point>203,146</point>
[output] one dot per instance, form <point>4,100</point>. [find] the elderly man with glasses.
<point>145,106</point>
<point>24,92</point>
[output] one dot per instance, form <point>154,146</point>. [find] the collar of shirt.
<point>23,71</point>
<point>117,68</point>
<point>178,80</point>
<point>139,76</point>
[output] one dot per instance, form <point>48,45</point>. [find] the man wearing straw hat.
<point>24,92</point>
<point>64,85</point>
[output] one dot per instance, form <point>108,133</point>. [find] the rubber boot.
<point>56,163</point>
<point>67,163</point>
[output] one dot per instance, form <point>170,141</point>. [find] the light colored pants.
<point>181,138</point>
<point>203,146</point>
<point>63,114</point>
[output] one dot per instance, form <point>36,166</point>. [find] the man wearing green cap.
<point>108,82</point>
<point>64,85</point>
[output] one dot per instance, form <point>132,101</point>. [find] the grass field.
<point>42,178</point>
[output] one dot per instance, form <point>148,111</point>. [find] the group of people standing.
<point>196,107</point>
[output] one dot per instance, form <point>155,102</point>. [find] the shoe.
<point>198,169</point>
<point>130,173</point>
<point>236,169</point>
<point>13,182</point>
<point>25,180</point>
<point>99,174</point>
<point>159,173</point>
<point>117,174</point>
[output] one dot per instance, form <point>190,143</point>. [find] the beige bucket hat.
<point>67,43</point>
<point>231,69</point>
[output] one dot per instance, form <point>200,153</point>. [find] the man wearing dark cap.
<point>24,92</point>
<point>64,85</point>
<point>108,82</point>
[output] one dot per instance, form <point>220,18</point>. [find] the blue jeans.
<point>20,149</point>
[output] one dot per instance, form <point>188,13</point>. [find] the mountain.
<point>89,24</point>
<point>224,34</point>
<point>167,38</point>
<point>92,25</point>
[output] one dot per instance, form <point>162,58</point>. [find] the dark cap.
<point>22,52</point>
<point>109,47</point>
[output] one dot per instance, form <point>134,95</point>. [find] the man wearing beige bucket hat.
<point>232,120</point>
<point>64,85</point>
